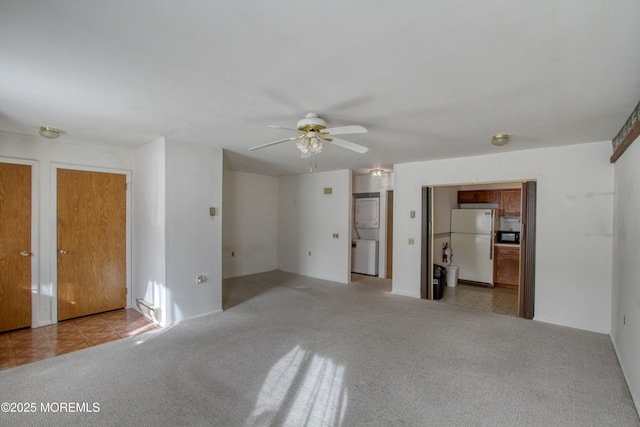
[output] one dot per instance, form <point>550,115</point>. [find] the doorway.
<point>514,291</point>
<point>91,210</point>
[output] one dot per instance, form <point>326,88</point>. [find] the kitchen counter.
<point>508,245</point>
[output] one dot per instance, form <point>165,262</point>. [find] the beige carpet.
<point>290,350</point>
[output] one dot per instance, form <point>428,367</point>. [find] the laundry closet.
<point>372,225</point>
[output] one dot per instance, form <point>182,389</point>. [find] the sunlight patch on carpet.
<point>302,389</point>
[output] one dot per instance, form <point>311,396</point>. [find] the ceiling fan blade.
<point>348,145</point>
<point>281,127</point>
<point>268,144</point>
<point>343,130</point>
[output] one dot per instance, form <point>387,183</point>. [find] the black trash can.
<point>439,281</point>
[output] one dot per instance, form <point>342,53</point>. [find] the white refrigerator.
<point>472,232</point>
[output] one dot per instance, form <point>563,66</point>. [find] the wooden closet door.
<point>15,246</point>
<point>91,242</point>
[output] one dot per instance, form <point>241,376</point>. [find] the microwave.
<point>509,237</point>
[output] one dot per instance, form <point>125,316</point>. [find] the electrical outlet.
<point>200,279</point>
<point>624,319</point>
<point>412,241</point>
<point>336,235</point>
<point>309,253</point>
<point>233,254</point>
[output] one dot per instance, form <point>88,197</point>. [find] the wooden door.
<point>15,246</point>
<point>91,242</point>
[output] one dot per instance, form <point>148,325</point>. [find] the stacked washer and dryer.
<point>364,249</point>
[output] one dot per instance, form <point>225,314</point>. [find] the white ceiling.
<point>429,79</point>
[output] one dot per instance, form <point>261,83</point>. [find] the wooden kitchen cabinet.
<point>506,267</point>
<point>478,196</point>
<point>510,201</point>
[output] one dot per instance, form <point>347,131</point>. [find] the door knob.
<point>25,253</point>
<point>63,252</point>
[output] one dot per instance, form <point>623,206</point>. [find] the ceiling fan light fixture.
<point>315,145</point>
<point>500,139</point>
<point>302,146</point>
<point>49,132</point>
<point>310,145</point>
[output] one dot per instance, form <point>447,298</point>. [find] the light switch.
<point>212,211</point>
<point>412,241</point>
<point>336,235</point>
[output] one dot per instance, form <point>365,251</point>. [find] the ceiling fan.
<point>313,133</point>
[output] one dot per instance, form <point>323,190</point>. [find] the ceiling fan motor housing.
<point>311,122</point>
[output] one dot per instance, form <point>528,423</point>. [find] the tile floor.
<point>30,345</point>
<point>496,300</point>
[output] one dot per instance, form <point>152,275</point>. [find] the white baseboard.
<point>405,294</point>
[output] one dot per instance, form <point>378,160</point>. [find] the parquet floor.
<point>496,300</point>
<point>30,345</point>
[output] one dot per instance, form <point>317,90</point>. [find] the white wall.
<point>149,220</point>
<point>250,226</point>
<point>444,199</point>
<point>574,224</point>
<point>625,318</point>
<point>175,238</point>
<point>193,237</point>
<point>307,219</point>
<point>45,155</point>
